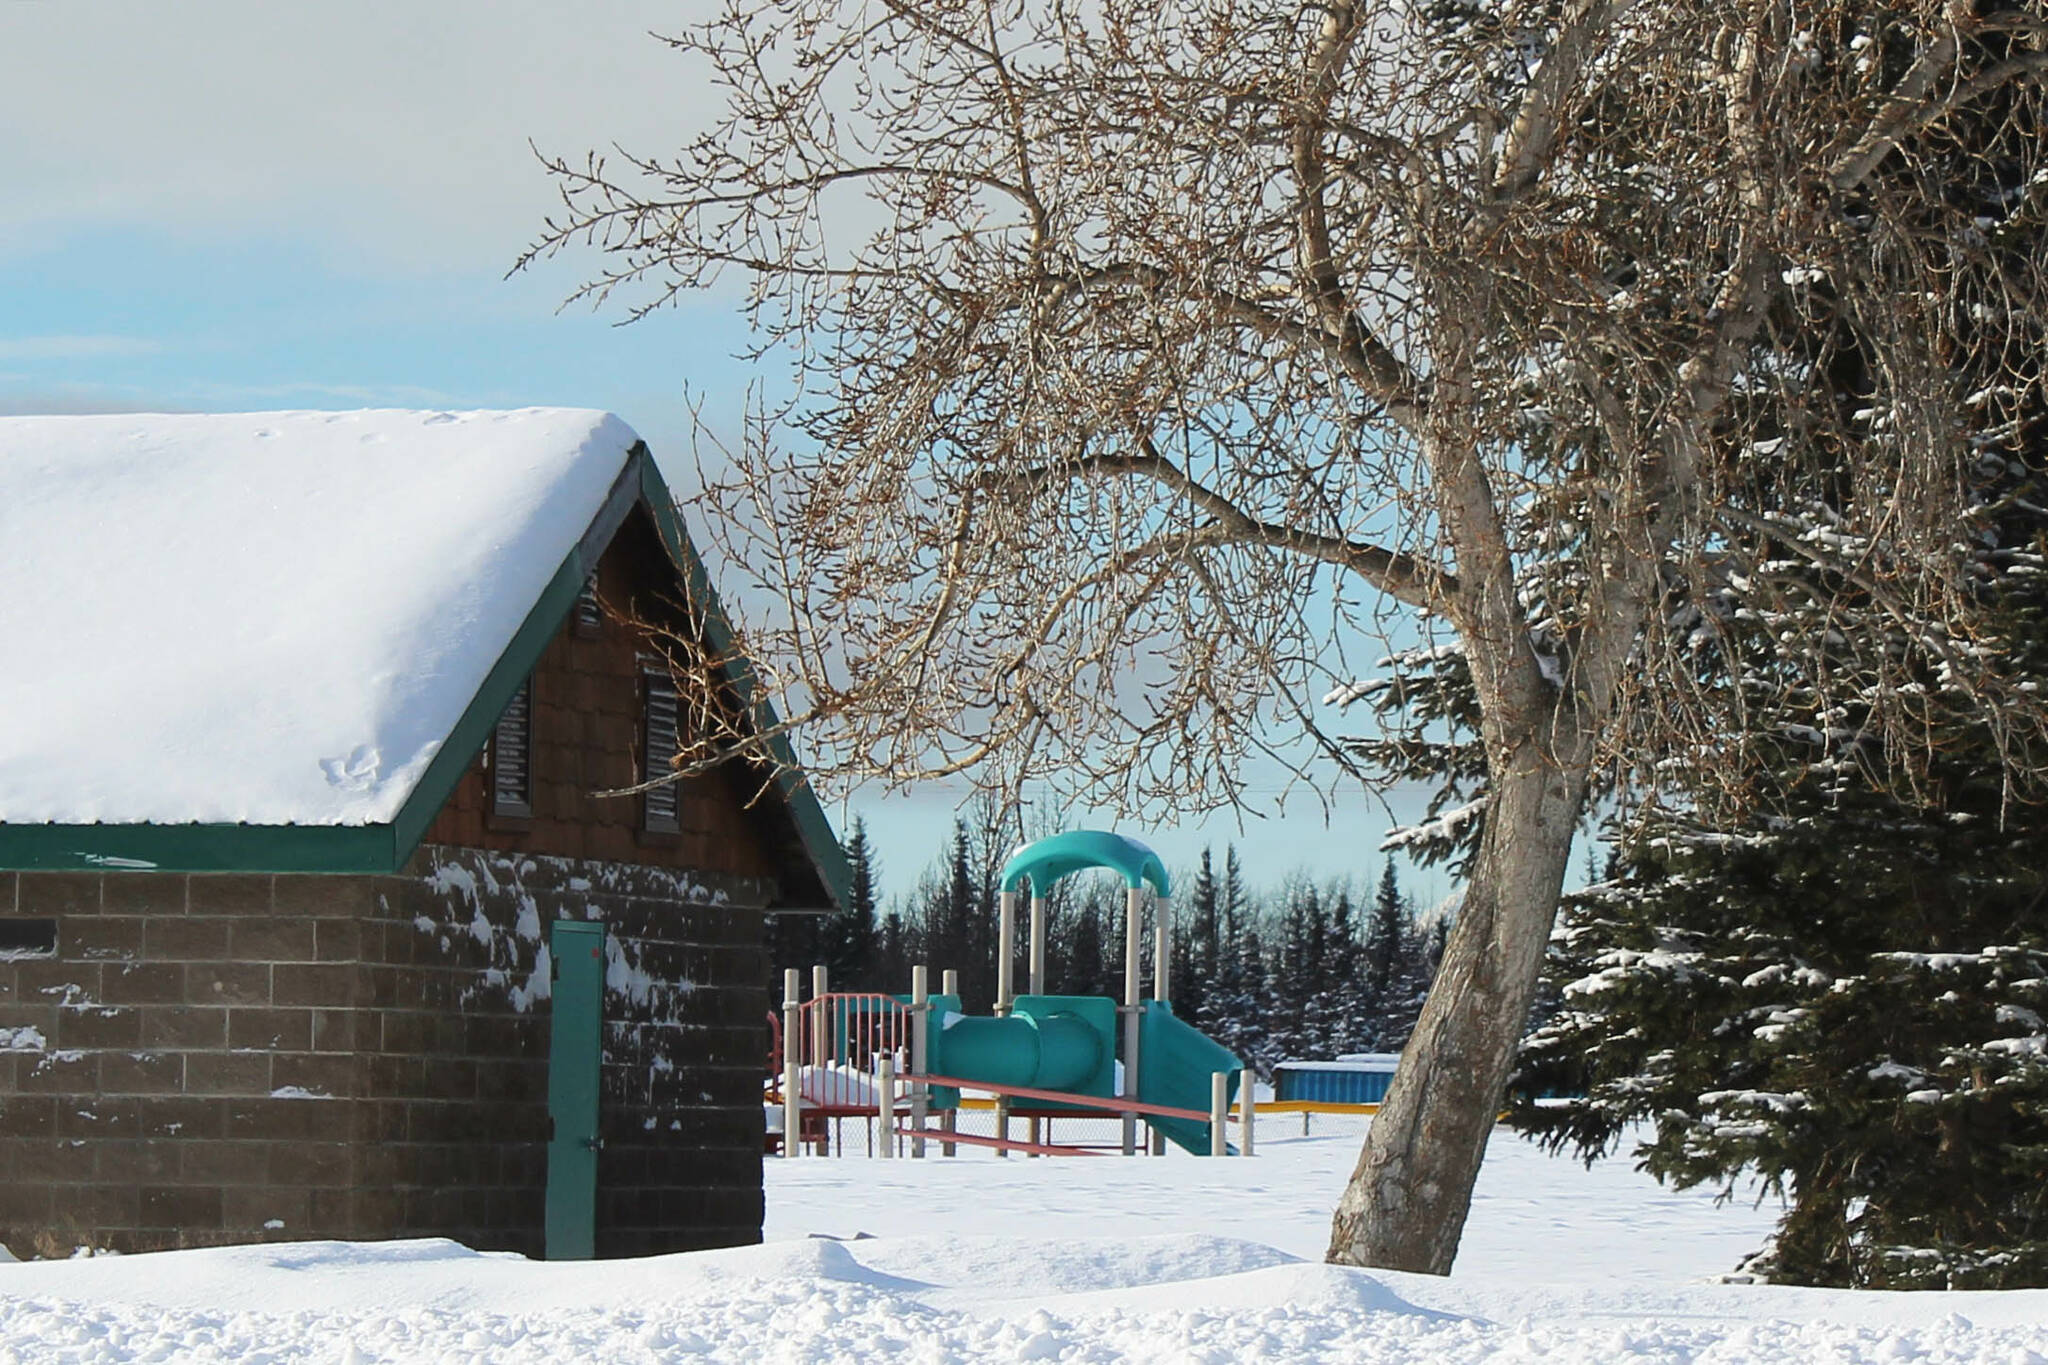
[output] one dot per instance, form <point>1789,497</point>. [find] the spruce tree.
<point>972,940</point>
<point>1435,939</point>
<point>1838,982</point>
<point>898,948</point>
<point>1197,964</point>
<point>1845,996</point>
<point>1386,934</point>
<point>1086,972</point>
<point>1395,966</point>
<point>1226,1005</point>
<point>794,941</point>
<point>1294,981</point>
<point>849,947</point>
<point>942,924</point>
<point>1408,988</point>
<point>1240,1010</point>
<point>1426,711</point>
<point>1345,1007</point>
<point>1261,1024</point>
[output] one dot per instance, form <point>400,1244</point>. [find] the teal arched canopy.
<point>1045,861</point>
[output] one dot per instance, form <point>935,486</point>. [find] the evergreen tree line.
<point>1307,971</point>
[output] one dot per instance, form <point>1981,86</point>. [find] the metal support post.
<point>1247,1107</point>
<point>1162,949</point>
<point>1006,951</point>
<point>1219,1113</point>
<point>1006,990</point>
<point>1035,957</point>
<point>920,1051</point>
<point>792,1070</point>
<point>949,984</point>
<point>1037,943</point>
<point>885,1104</point>
<point>823,1052</point>
<point>1134,915</point>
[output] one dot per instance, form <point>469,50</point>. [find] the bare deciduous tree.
<point>1141,351</point>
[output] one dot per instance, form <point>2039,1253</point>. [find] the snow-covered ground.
<point>981,1259</point>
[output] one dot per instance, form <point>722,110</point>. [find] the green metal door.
<point>574,1049</point>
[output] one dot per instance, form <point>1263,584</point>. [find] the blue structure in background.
<point>1359,1079</point>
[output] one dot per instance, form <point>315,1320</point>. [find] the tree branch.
<point>1370,360</point>
<point>1534,130</point>
<point>1910,111</point>
<point>1401,576</point>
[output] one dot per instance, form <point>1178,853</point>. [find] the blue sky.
<point>234,205</point>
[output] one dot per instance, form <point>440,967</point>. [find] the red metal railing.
<point>839,1037</point>
<point>1111,1106</point>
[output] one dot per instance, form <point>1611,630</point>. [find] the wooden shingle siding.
<point>588,734</point>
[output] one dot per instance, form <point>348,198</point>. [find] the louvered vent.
<point>511,755</point>
<point>589,616</point>
<point>658,751</point>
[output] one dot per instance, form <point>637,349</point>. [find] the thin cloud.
<point>73,401</point>
<point>320,394</point>
<point>384,128</point>
<point>75,347</point>
<point>24,395</point>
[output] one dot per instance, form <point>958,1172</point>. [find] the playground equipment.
<point>1042,1056</point>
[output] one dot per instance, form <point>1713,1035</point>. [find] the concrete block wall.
<point>211,1059</point>
<point>179,1072</point>
<point>684,1045</point>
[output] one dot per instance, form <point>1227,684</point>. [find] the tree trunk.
<point>1406,1204</point>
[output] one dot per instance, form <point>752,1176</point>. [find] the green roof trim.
<point>459,750</point>
<point>358,849</point>
<point>384,848</point>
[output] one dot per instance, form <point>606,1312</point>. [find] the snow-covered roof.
<point>268,618</point>
<point>1370,1063</point>
<point>273,641</point>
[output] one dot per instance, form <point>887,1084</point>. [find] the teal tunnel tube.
<point>1049,1052</point>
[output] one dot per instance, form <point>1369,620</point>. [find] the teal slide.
<point>1175,1061</point>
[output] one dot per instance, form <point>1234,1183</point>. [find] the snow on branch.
<point>1443,827</point>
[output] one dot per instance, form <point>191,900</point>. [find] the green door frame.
<point>575,1051</point>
